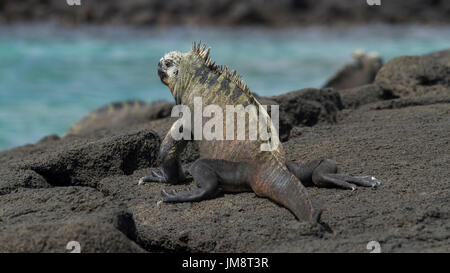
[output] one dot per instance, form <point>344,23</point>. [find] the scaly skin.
<point>232,165</point>
<point>105,116</point>
<point>119,114</point>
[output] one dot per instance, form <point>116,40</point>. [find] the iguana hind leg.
<point>211,175</point>
<point>323,173</point>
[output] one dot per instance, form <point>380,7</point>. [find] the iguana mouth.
<point>162,75</point>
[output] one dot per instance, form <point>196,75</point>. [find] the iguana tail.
<point>284,188</point>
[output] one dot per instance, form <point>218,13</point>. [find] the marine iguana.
<point>361,71</point>
<point>120,114</point>
<point>235,165</point>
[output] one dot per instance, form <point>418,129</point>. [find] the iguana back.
<point>216,85</point>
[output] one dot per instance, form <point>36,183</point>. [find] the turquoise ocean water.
<point>52,76</point>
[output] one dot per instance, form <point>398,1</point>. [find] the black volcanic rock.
<point>416,75</point>
<point>12,179</point>
<point>81,161</point>
<point>305,107</point>
<point>361,95</point>
<point>225,12</point>
<point>46,220</point>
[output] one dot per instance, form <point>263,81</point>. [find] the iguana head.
<point>194,69</point>
<point>168,67</point>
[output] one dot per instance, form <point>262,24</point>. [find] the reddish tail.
<point>284,188</point>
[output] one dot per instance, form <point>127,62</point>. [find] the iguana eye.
<point>168,63</point>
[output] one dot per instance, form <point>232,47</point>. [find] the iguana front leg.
<point>171,169</point>
<point>323,173</point>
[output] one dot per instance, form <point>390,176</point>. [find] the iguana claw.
<point>155,177</point>
<point>169,197</point>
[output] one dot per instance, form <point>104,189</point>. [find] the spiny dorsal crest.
<point>203,53</point>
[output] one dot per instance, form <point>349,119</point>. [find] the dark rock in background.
<point>416,75</point>
<point>226,12</point>
<point>306,107</point>
<point>361,95</point>
<point>409,101</point>
<point>405,81</point>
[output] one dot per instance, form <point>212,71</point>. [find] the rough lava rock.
<point>79,161</point>
<point>361,95</point>
<point>225,12</point>
<point>408,102</point>
<point>305,107</point>
<point>46,220</point>
<point>87,163</point>
<point>13,179</point>
<point>405,81</point>
<point>416,75</point>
